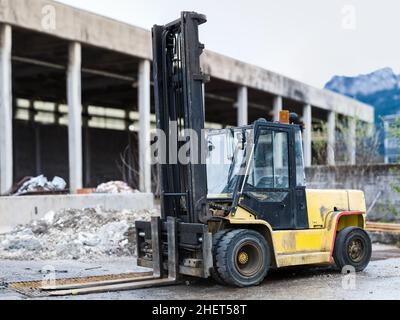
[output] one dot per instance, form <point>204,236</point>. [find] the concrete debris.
<point>115,187</point>
<point>23,240</point>
<point>86,234</point>
<point>41,184</point>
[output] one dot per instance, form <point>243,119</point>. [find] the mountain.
<point>380,88</point>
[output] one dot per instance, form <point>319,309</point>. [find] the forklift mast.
<point>179,242</point>
<point>179,103</point>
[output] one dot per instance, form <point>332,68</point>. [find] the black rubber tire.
<point>341,253</point>
<point>227,254</point>
<point>214,271</point>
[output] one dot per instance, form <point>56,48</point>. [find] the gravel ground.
<point>381,280</point>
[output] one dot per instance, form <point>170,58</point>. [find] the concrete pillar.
<point>331,138</point>
<point>74,96</point>
<point>242,106</point>
<point>86,147</point>
<point>144,123</point>
<point>6,147</point>
<point>352,144</point>
<point>278,106</point>
<point>38,150</point>
<point>203,87</point>
<point>307,135</point>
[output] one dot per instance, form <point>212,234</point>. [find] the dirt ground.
<point>381,280</point>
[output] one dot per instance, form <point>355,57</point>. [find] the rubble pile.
<point>85,234</point>
<point>115,187</point>
<point>41,184</point>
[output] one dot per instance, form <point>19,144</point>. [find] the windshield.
<point>226,151</point>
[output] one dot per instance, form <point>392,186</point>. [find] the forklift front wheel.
<point>214,271</point>
<point>243,258</point>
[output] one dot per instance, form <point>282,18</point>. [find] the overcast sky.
<point>308,40</point>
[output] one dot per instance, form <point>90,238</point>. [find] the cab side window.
<point>270,161</point>
<point>300,172</point>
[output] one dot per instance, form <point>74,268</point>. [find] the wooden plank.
<point>383,227</point>
<point>95,284</point>
<point>113,288</point>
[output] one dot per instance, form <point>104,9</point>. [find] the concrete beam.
<point>73,24</point>
<point>331,138</point>
<point>144,123</point>
<point>6,147</point>
<point>352,143</point>
<point>74,96</point>
<point>277,107</point>
<point>232,70</point>
<point>307,135</point>
<point>243,107</point>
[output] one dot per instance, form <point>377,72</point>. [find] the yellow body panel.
<point>314,245</point>
<point>357,201</point>
<point>321,202</point>
<point>304,258</point>
<point>295,241</point>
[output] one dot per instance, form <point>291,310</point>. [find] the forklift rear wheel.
<point>352,248</point>
<point>243,258</point>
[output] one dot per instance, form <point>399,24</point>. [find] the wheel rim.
<point>249,259</point>
<point>356,250</point>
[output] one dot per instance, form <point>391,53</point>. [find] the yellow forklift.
<point>244,208</point>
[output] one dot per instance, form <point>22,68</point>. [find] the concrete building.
<point>75,96</point>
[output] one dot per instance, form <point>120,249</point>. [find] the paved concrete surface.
<point>381,280</point>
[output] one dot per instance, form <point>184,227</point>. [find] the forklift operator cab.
<point>274,189</point>
<point>265,171</point>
